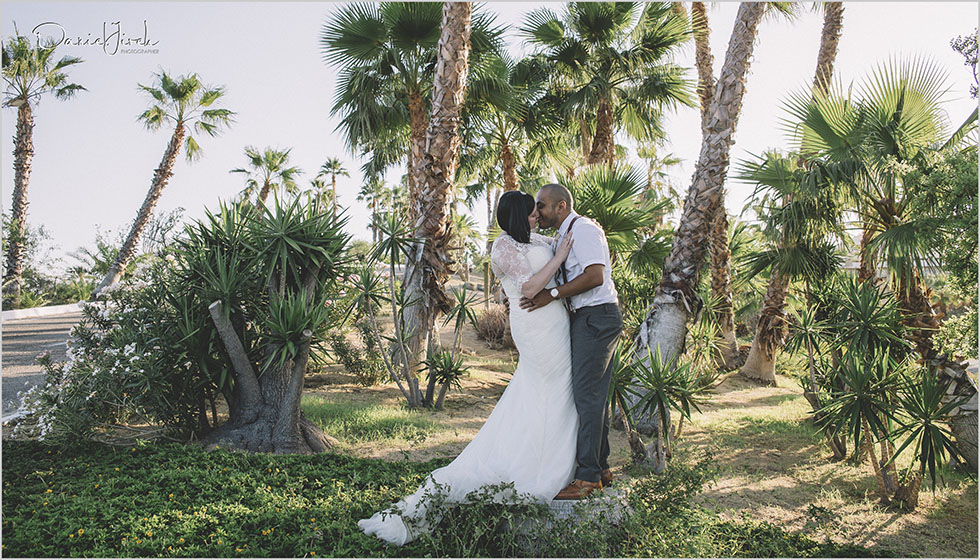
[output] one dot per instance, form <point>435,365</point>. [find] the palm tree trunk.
<point>374,220</point>
<point>160,178</point>
<point>760,365</point>
<point>333,192</point>
<point>23,155</point>
<point>586,138</point>
<point>428,269</point>
<point>721,254</point>
<point>676,298</point>
<point>416,115</point>
<point>263,193</point>
<point>510,168</point>
<point>833,18</point>
<point>721,290</point>
<point>603,145</point>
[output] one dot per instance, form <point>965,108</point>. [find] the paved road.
<point>23,339</point>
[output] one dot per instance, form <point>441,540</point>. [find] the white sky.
<point>94,162</point>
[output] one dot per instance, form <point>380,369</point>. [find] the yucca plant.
<point>446,370</point>
<point>659,386</point>
<point>265,280</point>
<point>923,417</point>
<point>861,408</point>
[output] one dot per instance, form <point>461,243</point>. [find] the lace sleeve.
<point>508,259</point>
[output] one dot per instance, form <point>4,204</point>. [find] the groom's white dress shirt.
<point>589,247</point>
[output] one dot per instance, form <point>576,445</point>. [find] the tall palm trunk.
<point>510,167</point>
<point>160,177</point>
<point>719,250</point>
<point>586,133</point>
<point>428,269</point>
<point>676,299</point>
<point>760,364</point>
<point>333,192</point>
<point>23,155</point>
<point>416,115</point>
<point>604,144</point>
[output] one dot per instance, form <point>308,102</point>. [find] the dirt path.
<point>772,466</point>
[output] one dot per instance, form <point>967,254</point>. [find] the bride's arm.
<point>540,279</point>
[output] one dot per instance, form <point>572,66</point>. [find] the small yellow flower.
<point>219,541</point>
<point>48,491</point>
<point>181,539</point>
<point>149,533</point>
<point>138,541</point>
<point>171,496</point>
<point>71,536</point>
<point>81,531</point>
<point>117,468</point>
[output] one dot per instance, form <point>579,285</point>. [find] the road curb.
<point>40,311</point>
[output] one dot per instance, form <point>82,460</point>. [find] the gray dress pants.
<point>594,333</point>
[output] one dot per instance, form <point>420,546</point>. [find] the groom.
<point>586,286</point>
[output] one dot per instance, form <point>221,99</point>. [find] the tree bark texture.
<point>604,143</point>
<point>676,299</point>
<point>431,265</point>
<point>23,156</point>
<point>161,175</point>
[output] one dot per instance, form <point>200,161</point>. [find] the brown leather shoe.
<point>605,477</point>
<point>578,489</point>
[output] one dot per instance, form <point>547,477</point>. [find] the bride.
<point>529,438</point>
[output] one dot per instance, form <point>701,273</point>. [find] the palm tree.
<point>333,167</point>
<point>29,72</point>
<point>719,251</point>
<point>267,171</point>
<point>428,269</point>
<point>665,326</point>
<point>610,61</point>
<point>801,210</point>
<point>189,105</point>
<point>886,139</point>
<point>386,53</point>
<point>512,118</point>
<point>372,191</point>
<point>760,365</point>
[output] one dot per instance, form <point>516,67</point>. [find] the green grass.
<point>182,501</point>
<point>358,423</point>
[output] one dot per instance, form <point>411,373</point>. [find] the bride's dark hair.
<point>512,212</point>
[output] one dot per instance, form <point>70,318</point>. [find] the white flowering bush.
<point>125,365</point>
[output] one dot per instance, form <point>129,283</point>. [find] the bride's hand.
<point>565,247</point>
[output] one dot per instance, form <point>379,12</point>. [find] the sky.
<point>94,161</point>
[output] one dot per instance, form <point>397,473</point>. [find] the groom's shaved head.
<point>556,193</point>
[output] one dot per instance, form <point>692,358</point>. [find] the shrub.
<point>127,362</point>
<point>493,327</point>
<point>362,361</point>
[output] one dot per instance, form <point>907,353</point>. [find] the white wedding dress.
<point>529,438</point>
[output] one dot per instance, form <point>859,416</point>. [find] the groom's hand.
<point>540,300</point>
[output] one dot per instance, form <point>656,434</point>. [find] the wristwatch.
<point>554,293</point>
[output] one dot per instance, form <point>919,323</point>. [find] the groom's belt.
<point>597,307</point>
